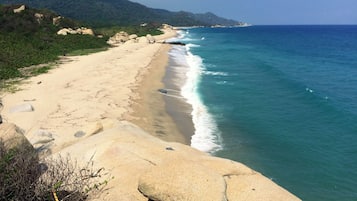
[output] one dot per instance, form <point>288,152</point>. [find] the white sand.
<point>83,93</point>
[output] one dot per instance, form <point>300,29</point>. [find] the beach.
<point>87,93</point>
<point>105,108</point>
<point>150,108</point>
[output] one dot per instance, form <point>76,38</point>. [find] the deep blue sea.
<point>280,99</point>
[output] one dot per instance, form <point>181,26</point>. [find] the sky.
<point>262,12</point>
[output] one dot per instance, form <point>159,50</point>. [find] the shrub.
<point>23,177</point>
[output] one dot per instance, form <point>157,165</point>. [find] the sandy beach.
<point>87,93</point>
<point>149,108</point>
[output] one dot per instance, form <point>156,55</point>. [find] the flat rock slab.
<point>255,187</point>
<point>26,107</point>
<point>182,181</point>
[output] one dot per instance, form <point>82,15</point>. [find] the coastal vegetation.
<point>27,41</point>
<point>151,28</point>
<point>23,176</point>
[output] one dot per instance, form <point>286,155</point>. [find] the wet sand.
<point>163,116</point>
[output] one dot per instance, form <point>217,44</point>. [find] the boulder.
<point>63,32</point>
<point>12,137</point>
<point>26,107</point>
<point>166,26</point>
<point>86,31</point>
<point>182,181</point>
<point>82,30</point>
<point>39,17</point>
<point>118,38</point>
<point>150,39</point>
<point>56,20</point>
<point>71,31</point>
<point>20,9</point>
<point>133,37</point>
<point>42,139</point>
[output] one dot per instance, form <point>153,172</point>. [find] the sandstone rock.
<point>166,26</point>
<point>56,20</point>
<point>93,129</point>
<point>182,180</point>
<point>134,38</point>
<point>39,17</point>
<point>142,39</point>
<point>20,9</point>
<point>118,38</point>
<point>26,107</point>
<point>150,39</point>
<point>168,171</point>
<point>82,30</point>
<point>42,139</point>
<point>63,32</point>
<point>87,31</point>
<point>13,137</point>
<point>255,187</point>
<point>71,31</point>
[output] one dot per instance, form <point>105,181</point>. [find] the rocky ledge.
<point>146,168</point>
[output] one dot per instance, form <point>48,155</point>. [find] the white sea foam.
<point>207,135</point>
<point>215,73</point>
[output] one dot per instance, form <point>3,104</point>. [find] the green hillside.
<point>26,40</point>
<point>122,12</point>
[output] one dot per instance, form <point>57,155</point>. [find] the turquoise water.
<point>280,99</point>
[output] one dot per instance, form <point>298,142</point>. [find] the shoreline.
<point>150,109</point>
<point>165,116</point>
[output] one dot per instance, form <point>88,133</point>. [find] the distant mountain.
<point>122,12</point>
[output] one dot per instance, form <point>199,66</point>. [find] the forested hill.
<point>28,37</point>
<point>122,12</point>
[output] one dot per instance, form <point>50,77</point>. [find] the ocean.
<point>280,99</point>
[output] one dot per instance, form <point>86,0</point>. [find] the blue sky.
<point>268,11</point>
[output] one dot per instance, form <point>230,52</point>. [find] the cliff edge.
<point>145,167</point>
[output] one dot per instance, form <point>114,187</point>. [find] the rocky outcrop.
<point>13,137</point>
<point>150,39</point>
<point>166,27</point>
<point>39,17</point>
<point>182,180</point>
<point>82,30</point>
<point>145,167</point>
<point>87,31</point>
<point>20,9</point>
<point>56,20</point>
<point>118,38</point>
<point>42,140</point>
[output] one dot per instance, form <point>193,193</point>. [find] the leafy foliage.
<point>138,30</point>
